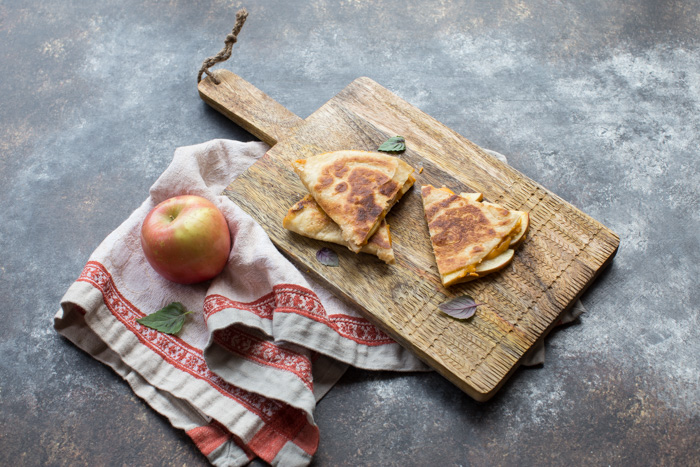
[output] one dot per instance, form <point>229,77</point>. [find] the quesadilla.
<point>355,189</point>
<point>470,238</point>
<point>308,219</point>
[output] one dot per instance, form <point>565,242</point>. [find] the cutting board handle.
<point>249,107</point>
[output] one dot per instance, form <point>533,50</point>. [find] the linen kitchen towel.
<point>263,345</point>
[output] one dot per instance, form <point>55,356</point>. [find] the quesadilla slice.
<point>518,235</point>
<point>355,189</point>
<point>308,219</point>
<point>470,238</point>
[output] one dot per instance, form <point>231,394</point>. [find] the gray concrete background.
<point>597,101</point>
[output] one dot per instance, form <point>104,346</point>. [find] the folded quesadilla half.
<point>470,238</point>
<point>355,189</point>
<point>308,219</point>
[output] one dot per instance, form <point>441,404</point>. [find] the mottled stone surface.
<point>598,101</point>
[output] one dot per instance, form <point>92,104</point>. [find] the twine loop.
<point>225,53</point>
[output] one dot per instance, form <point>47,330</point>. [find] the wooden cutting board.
<point>563,253</point>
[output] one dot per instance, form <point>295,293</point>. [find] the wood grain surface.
<point>249,107</point>
<point>564,251</point>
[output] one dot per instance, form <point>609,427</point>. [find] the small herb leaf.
<point>327,257</point>
<point>168,320</point>
<point>461,307</point>
<point>395,144</point>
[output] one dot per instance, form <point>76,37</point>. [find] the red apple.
<point>186,239</point>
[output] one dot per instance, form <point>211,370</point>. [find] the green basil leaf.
<point>395,144</point>
<point>168,320</point>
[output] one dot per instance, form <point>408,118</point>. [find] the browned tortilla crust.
<point>308,219</point>
<point>463,232</point>
<point>355,188</point>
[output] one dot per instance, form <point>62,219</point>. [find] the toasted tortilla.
<point>518,235</point>
<point>470,238</point>
<point>308,219</point>
<point>355,189</point>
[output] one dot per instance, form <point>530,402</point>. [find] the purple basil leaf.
<point>327,257</point>
<point>461,307</point>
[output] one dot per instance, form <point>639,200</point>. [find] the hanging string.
<point>225,53</point>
